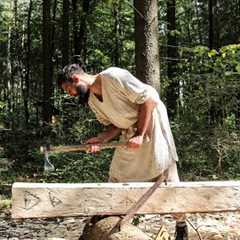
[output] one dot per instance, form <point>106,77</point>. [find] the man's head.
<point>73,80</point>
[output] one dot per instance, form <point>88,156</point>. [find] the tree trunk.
<point>75,29</point>
<point>65,33</point>
<point>47,62</point>
<point>116,33</point>
<point>28,55</point>
<point>100,229</point>
<point>214,31</point>
<point>14,41</point>
<point>146,42</point>
<point>210,21</point>
<point>172,92</point>
<point>199,22</point>
<point>79,33</point>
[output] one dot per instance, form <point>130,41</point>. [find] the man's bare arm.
<point>144,119</point>
<point>110,133</point>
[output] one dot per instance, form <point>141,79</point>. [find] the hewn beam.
<point>50,200</point>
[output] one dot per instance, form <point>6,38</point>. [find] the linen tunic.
<point>122,94</point>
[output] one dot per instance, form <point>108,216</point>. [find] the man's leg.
<point>181,232</point>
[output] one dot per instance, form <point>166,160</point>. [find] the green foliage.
<point>209,112</point>
<point>80,167</point>
<point>206,128</point>
<point>5,204</point>
<point>2,113</point>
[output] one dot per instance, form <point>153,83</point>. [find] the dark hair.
<point>67,72</point>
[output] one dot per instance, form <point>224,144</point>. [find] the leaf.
<point>238,68</point>
<point>212,53</point>
<point>229,73</point>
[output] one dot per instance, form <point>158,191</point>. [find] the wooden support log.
<point>51,200</point>
<point>100,229</point>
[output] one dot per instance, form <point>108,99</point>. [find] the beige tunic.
<point>122,93</point>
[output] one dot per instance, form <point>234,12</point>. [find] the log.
<point>100,230</point>
<point>31,200</point>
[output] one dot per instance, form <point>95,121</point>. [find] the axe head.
<point>48,166</point>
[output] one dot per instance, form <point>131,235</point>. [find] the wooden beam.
<point>51,200</point>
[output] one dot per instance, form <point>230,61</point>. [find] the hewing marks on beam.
<point>55,201</point>
<point>30,200</point>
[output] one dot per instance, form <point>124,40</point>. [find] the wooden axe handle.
<point>83,147</point>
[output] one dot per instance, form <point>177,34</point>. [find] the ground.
<point>224,226</point>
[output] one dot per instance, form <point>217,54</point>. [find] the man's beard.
<point>83,93</point>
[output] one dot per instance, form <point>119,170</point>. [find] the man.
<point>132,110</point>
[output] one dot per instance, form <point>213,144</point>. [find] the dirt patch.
<point>224,226</point>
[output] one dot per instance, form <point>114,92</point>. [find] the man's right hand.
<point>95,144</point>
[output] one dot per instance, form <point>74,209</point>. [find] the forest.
<point>189,50</point>
<point>199,64</point>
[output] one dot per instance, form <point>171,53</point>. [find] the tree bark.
<point>199,22</point>
<point>47,62</point>
<point>172,92</point>
<point>79,32</point>
<point>146,42</point>
<point>14,41</point>
<point>99,231</point>
<point>210,21</point>
<point>28,55</point>
<point>65,33</point>
<point>116,31</point>
<point>214,41</point>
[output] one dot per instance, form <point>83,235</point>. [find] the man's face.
<point>70,88</point>
<point>79,89</point>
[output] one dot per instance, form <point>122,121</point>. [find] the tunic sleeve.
<point>134,90</point>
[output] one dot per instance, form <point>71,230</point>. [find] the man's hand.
<point>103,137</point>
<point>135,142</point>
<point>95,141</point>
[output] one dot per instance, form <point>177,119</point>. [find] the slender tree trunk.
<point>47,62</point>
<point>75,29</point>
<point>65,33</point>
<point>215,113</point>
<point>27,75</point>
<point>79,29</point>
<point>14,41</point>
<point>214,31</point>
<point>53,27</point>
<point>117,46</point>
<point>146,42</point>
<point>172,53</point>
<point>199,22</point>
<point>7,81</point>
<point>80,32</point>
<point>210,21</point>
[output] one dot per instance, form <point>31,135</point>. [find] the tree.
<point>65,33</point>
<point>80,28</point>
<point>211,24</point>
<point>146,42</point>
<point>116,8</point>
<point>172,92</point>
<point>27,63</point>
<point>47,62</point>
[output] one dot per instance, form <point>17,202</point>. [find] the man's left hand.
<point>135,142</point>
